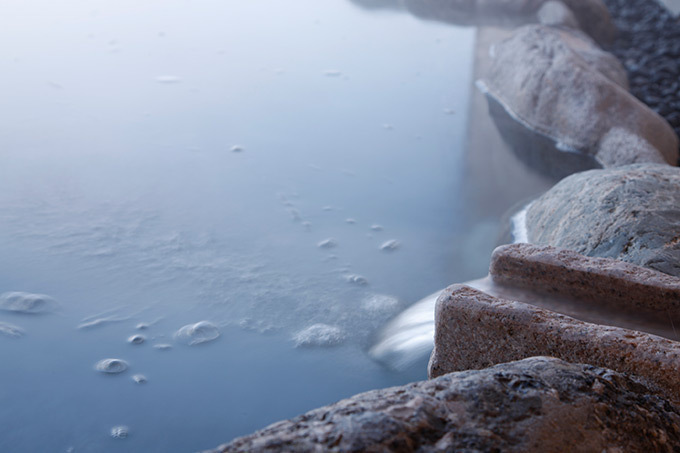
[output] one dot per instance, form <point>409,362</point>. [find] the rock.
<point>630,213</point>
<point>537,404</point>
<point>556,13</point>
<point>474,330</point>
<point>618,285</point>
<point>574,94</point>
<point>592,15</point>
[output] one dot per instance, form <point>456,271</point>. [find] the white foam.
<point>10,330</point>
<point>21,302</point>
<point>319,335</point>
<point>120,432</point>
<point>201,332</point>
<point>111,366</point>
<point>389,246</point>
<point>327,243</point>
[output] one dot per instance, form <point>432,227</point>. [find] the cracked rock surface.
<point>537,404</point>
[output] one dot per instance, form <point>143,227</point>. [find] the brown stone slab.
<point>616,284</point>
<point>474,330</point>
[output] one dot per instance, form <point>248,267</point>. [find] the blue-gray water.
<point>173,161</point>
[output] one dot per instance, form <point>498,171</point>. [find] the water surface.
<point>168,162</point>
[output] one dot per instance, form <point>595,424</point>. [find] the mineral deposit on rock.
<point>535,405</point>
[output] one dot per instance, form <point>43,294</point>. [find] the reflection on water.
<point>200,188</point>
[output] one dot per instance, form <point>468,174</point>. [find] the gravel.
<point>649,47</point>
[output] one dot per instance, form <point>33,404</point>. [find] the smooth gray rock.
<point>535,405</point>
<point>560,84</point>
<point>630,213</point>
<point>556,13</point>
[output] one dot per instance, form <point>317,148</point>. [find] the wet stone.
<point>111,366</point>
<point>194,334</point>
<point>21,302</point>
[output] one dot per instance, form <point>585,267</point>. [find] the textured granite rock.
<point>536,405</point>
<point>575,94</point>
<point>474,330</point>
<point>619,285</point>
<point>630,213</point>
<point>592,15</point>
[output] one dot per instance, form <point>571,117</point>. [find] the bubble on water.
<point>376,227</point>
<point>139,378</point>
<point>350,221</point>
<point>357,280</point>
<point>328,208</point>
<point>201,332</point>
<point>388,126</point>
<point>327,243</point>
<point>21,302</point>
<point>142,326</point>
<point>237,149</point>
<point>389,246</point>
<point>10,330</point>
<point>332,73</point>
<point>136,339</point>
<point>380,304</point>
<point>162,346</point>
<point>120,432</point>
<point>168,79</point>
<point>319,335</point>
<point>111,366</point>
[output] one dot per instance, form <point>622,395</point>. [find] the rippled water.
<point>252,187</point>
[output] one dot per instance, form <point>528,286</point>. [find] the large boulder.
<point>535,405</point>
<point>559,84</point>
<point>474,330</point>
<point>630,213</point>
<point>592,15</point>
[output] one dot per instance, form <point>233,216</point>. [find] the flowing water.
<point>230,198</point>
